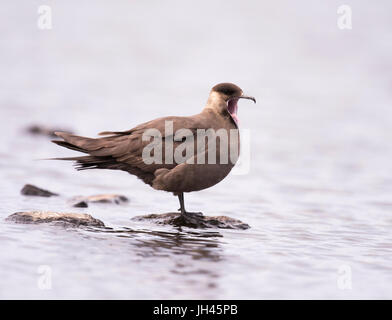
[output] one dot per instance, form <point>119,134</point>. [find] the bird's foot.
<point>191,214</point>
<point>190,219</point>
<point>194,214</point>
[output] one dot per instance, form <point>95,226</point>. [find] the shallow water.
<point>318,193</point>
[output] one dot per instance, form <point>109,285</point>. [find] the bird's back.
<point>160,152</point>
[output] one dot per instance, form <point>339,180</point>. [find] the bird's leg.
<point>182,207</point>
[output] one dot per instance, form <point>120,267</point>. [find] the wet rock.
<point>30,190</point>
<point>80,204</point>
<point>44,131</point>
<point>194,220</point>
<point>75,219</point>
<point>81,201</point>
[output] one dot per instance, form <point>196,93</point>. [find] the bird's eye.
<point>228,91</point>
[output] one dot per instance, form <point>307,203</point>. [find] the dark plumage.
<point>123,150</point>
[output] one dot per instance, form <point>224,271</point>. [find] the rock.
<point>44,131</point>
<point>101,198</point>
<point>194,221</point>
<point>30,190</point>
<point>75,219</point>
<point>81,204</point>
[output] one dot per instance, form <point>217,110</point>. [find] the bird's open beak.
<point>247,97</point>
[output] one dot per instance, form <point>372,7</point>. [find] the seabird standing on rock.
<point>125,150</point>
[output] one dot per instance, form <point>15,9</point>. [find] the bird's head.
<point>224,98</point>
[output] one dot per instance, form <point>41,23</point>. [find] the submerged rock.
<point>83,202</point>
<point>30,190</point>
<point>80,204</point>
<point>75,219</point>
<point>194,220</point>
<point>44,131</point>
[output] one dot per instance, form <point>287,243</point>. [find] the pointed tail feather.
<point>85,145</point>
<point>89,162</point>
<point>68,145</point>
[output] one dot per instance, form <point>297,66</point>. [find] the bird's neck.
<point>216,103</point>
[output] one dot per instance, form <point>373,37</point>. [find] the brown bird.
<point>133,150</point>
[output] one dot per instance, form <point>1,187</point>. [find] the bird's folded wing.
<point>127,147</point>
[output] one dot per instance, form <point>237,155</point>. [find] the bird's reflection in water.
<point>188,258</point>
<point>198,245</point>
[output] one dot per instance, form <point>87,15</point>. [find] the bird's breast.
<point>213,152</point>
